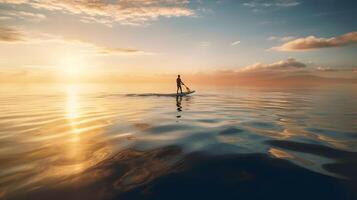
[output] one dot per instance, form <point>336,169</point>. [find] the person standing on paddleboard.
<point>179,83</point>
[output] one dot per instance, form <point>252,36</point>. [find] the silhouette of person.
<point>179,83</point>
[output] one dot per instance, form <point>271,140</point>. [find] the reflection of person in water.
<point>178,105</point>
<point>179,83</point>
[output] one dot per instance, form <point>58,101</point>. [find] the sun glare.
<point>71,66</point>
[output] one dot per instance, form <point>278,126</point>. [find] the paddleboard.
<point>185,93</point>
<point>162,94</point>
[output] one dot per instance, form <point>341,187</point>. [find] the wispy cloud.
<point>13,35</point>
<point>256,4</point>
<point>121,51</point>
<point>130,12</point>
<point>10,34</point>
<point>204,44</point>
<point>235,43</point>
<point>15,14</point>
<point>283,39</point>
<point>272,38</point>
<point>312,42</point>
<point>99,49</point>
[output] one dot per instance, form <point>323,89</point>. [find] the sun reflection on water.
<point>72,106</point>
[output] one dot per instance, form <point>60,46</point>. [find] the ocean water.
<point>119,142</point>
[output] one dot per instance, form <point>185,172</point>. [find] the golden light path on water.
<point>48,137</point>
<point>73,114</point>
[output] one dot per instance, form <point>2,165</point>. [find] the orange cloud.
<point>289,72</point>
<point>132,12</point>
<point>12,35</point>
<point>121,51</point>
<point>312,42</point>
<point>290,63</point>
<point>9,34</point>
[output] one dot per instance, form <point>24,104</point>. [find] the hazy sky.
<point>169,36</point>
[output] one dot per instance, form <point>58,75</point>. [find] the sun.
<point>71,66</point>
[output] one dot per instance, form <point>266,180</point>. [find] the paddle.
<point>188,89</point>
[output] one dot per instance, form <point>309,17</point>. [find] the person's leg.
<point>180,88</point>
<point>177,89</point>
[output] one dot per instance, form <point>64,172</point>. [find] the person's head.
<point>178,75</point>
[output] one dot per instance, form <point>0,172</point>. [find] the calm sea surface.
<point>119,142</point>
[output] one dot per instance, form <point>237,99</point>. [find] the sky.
<point>73,39</point>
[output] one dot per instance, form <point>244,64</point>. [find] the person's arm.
<point>182,83</point>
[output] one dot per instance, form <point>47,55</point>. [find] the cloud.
<point>235,43</point>
<point>9,34</point>
<point>283,39</point>
<point>288,64</point>
<point>272,38</point>
<point>98,49</point>
<point>130,12</point>
<point>327,69</point>
<point>287,38</point>
<point>284,73</point>
<point>205,44</point>
<point>120,51</point>
<point>13,35</point>
<point>330,69</point>
<point>14,1</point>
<point>312,42</point>
<point>15,14</point>
<point>270,3</point>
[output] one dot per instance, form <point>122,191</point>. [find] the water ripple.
<point>72,137</point>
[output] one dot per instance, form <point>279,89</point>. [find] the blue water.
<point>103,142</point>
